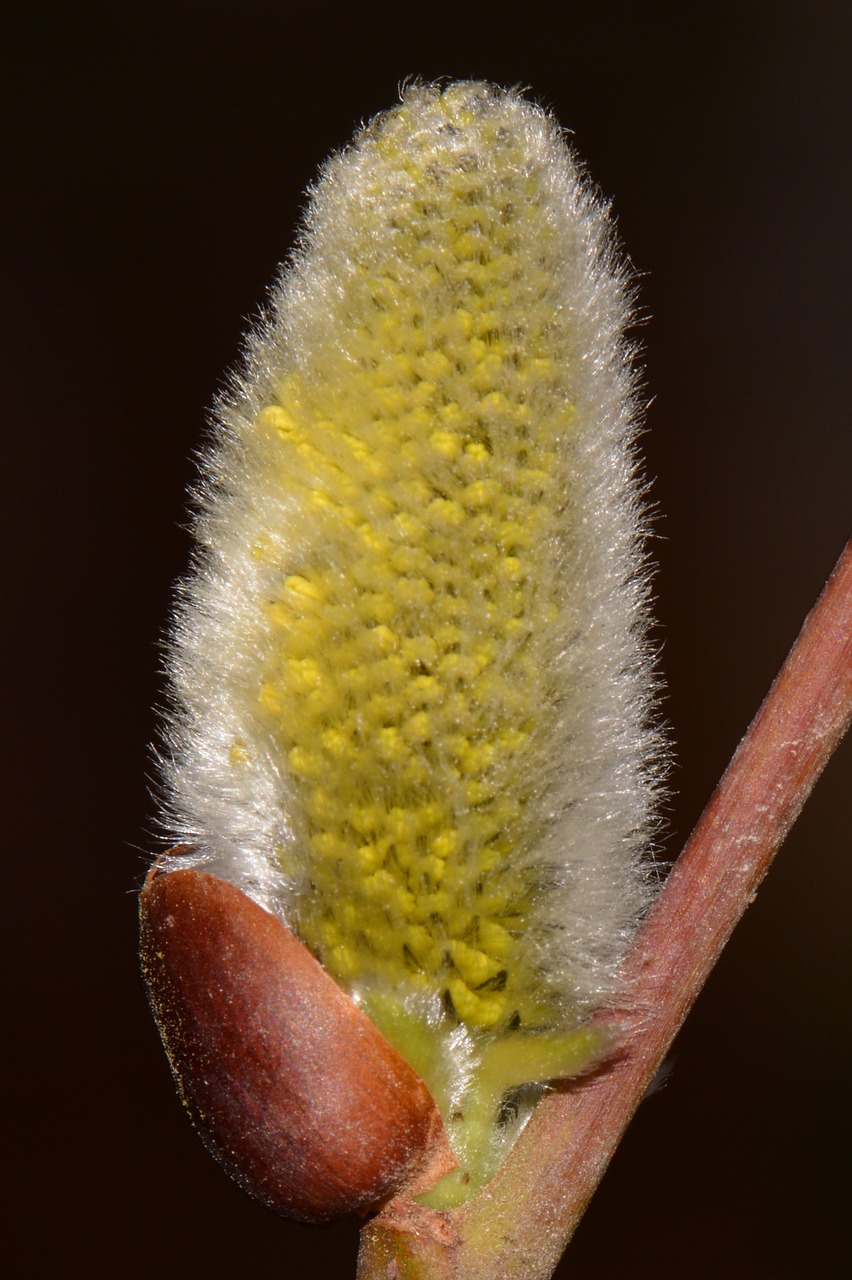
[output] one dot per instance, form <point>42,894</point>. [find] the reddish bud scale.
<point>291,1087</point>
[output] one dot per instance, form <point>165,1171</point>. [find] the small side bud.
<point>291,1087</point>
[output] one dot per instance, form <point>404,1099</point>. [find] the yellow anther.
<point>277,419</point>
<point>446,443</point>
<point>445,843</point>
<point>239,753</point>
<point>446,512</point>
<point>380,639</point>
<point>418,728</point>
<point>303,587</point>
<point>305,763</point>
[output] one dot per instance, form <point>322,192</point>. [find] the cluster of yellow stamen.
<point>406,682</point>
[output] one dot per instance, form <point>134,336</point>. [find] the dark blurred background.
<point>156,156</point>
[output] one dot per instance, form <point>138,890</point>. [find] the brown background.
<point>156,156</point>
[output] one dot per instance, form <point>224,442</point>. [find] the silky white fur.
<point>598,779</point>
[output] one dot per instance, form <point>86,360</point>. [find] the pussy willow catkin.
<point>410,686</point>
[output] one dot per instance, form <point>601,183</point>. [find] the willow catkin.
<point>410,683</point>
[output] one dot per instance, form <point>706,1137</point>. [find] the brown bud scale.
<point>291,1087</point>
